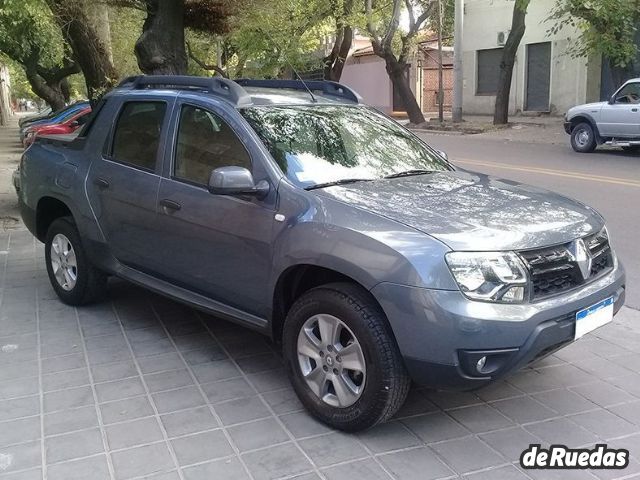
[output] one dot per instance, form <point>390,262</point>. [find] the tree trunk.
<point>160,50</point>
<point>501,112</point>
<point>52,94</point>
<point>88,49</point>
<point>397,73</point>
<point>334,63</point>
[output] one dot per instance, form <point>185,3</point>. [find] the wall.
<point>366,74</point>
<point>484,19</point>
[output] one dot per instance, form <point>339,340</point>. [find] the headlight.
<point>489,276</point>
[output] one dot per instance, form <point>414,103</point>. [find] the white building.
<point>546,78</point>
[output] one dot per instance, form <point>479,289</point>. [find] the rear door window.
<point>137,134</point>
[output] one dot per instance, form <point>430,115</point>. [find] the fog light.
<point>481,363</point>
<point>514,294</point>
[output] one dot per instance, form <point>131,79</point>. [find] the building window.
<point>488,71</point>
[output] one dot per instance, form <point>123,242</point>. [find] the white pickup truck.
<point>615,122</point>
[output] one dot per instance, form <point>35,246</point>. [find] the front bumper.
<point>440,331</point>
<point>567,127</point>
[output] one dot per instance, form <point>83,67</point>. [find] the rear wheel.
<point>583,138</point>
<point>74,279</point>
<point>343,361</point>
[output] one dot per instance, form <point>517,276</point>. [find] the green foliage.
<point>126,26</point>
<point>607,27</point>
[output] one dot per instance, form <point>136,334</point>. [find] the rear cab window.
<point>137,132</point>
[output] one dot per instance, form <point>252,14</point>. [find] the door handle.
<point>100,183</point>
<point>170,205</point>
<point>634,109</point>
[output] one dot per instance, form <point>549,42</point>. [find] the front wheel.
<point>74,279</point>
<point>583,138</point>
<point>343,360</point>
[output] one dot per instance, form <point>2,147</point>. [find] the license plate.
<point>594,317</point>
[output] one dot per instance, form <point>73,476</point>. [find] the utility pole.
<point>440,80</point>
<point>458,76</point>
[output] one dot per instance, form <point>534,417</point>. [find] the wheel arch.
<point>48,209</point>
<point>586,118</point>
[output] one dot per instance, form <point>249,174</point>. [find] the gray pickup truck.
<point>615,122</point>
<point>293,209</point>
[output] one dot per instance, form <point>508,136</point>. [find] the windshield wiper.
<point>409,173</point>
<point>343,181</point>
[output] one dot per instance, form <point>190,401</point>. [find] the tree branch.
<point>203,65</point>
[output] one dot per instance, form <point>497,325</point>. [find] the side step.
<point>623,143</point>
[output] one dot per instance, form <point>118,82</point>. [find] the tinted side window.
<point>205,142</point>
<point>630,93</point>
<point>137,134</point>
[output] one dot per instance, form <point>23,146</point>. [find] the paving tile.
<point>113,340</point>
<point>480,418</point>
<point>523,409</point>
<point>258,434</point>
<point>302,424</point>
<point>61,364</point>
<point>64,380</point>
<point>19,387</point>
<point>241,410</point>
<point>415,464</point>
<point>259,363</point>
<point>367,468</point>
<point>214,371</point>
<point>201,447</point>
<point>270,380</point>
<point>508,472</point>
<point>194,341</point>
<point>283,401</point>
<point>94,468</point>
<point>136,432</point>
<point>34,474</point>
<point>448,400</point>
<point>153,347</point>
<point>334,448</point>
<point>565,402</point>
<point>160,363</point>
<point>629,411</point>
<point>65,421</point>
<point>21,457</point>
<point>227,390</point>
<point>19,407</point>
<point>163,476</point>
<point>19,431</point>
<point>119,389</point>
<point>189,421</point>
<point>227,469</point>
<point>180,399</point>
<point>279,461</point>
<point>18,371</point>
<point>534,381</point>
<point>73,445</point>
<point>129,409</point>
<point>139,461</point>
<point>510,442</point>
<point>388,436</point>
<point>498,391</point>
<point>561,431</point>
<point>114,371</point>
<point>604,424</point>
<point>603,393</point>
<point>467,454</point>
<point>157,382</point>
<point>70,398</point>
<point>435,427</point>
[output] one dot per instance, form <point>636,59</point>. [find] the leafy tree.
<point>29,36</point>
<point>343,39</point>
<point>383,30</point>
<point>607,27</point>
<point>501,112</point>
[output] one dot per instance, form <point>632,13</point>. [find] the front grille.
<point>555,270</point>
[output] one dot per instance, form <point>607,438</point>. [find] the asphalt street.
<point>608,180</point>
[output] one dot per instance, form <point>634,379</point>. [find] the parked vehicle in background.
<point>56,117</point>
<point>42,114</point>
<point>324,224</point>
<point>615,122</point>
<point>67,124</point>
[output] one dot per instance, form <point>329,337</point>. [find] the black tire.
<point>632,149</point>
<point>583,138</point>
<point>386,382</point>
<point>90,284</point>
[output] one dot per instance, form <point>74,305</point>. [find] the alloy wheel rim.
<point>582,137</point>
<point>331,360</point>
<point>64,263</point>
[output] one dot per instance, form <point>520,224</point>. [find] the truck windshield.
<point>331,144</point>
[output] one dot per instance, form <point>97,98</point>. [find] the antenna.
<point>306,87</point>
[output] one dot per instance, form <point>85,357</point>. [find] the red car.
<point>68,124</point>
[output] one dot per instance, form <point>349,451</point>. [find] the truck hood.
<point>587,107</point>
<point>472,211</point>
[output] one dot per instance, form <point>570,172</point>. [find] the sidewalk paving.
<point>142,387</point>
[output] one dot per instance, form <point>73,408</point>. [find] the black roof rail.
<point>222,87</point>
<point>325,86</point>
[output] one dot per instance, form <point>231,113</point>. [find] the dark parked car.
<point>325,225</point>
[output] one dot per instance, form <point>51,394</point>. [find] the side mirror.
<point>612,99</point>
<point>236,181</point>
<point>443,154</point>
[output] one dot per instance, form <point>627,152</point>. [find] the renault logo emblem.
<point>582,257</point>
